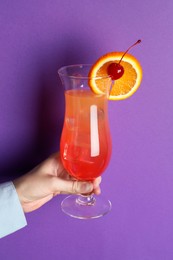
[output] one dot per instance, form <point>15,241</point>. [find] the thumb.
<point>72,186</point>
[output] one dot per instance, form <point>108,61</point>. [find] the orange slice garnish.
<point>123,87</point>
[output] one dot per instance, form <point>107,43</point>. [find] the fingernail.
<point>86,187</point>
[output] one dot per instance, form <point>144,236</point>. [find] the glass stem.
<point>86,200</point>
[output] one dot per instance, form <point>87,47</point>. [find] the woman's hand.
<point>48,180</point>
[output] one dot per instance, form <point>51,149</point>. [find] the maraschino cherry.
<point>115,70</point>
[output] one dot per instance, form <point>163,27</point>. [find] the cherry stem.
<point>128,50</point>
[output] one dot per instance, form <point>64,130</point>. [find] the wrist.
<point>17,185</point>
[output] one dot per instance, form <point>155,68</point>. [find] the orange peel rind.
<point>123,87</point>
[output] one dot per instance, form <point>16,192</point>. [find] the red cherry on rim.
<point>115,70</point>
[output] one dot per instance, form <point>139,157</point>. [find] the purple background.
<point>36,38</point>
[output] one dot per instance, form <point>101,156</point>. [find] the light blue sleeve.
<point>12,216</point>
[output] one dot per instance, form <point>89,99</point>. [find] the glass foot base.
<point>83,207</point>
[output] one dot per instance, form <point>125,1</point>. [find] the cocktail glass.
<point>85,145</point>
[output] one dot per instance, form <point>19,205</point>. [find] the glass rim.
<point>62,69</point>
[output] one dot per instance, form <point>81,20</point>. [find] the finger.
<point>97,182</point>
<point>96,185</point>
<point>72,186</point>
<point>81,187</point>
<point>97,191</point>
